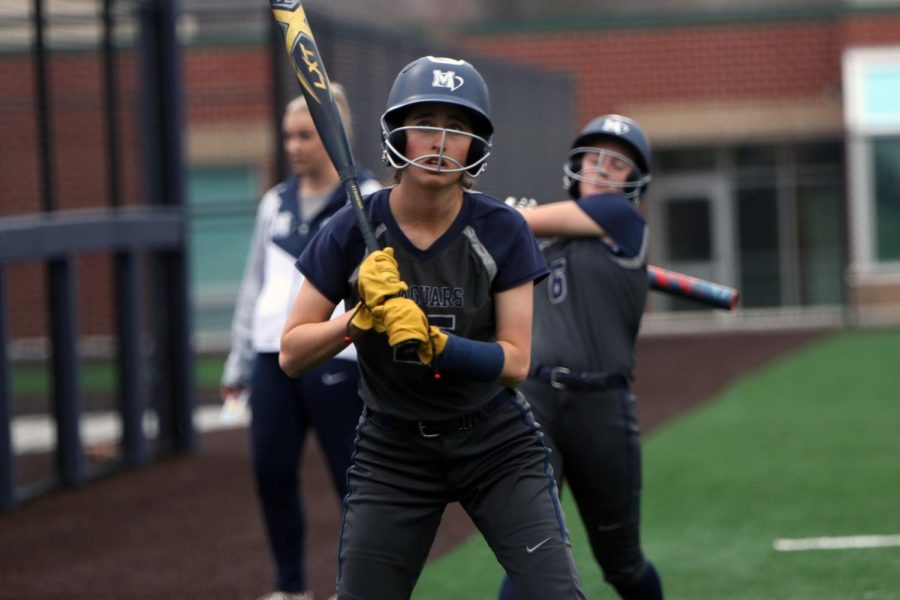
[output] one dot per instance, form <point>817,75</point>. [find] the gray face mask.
<point>597,173</point>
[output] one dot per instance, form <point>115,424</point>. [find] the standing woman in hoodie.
<point>324,400</point>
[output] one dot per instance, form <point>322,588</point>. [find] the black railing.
<point>154,228</point>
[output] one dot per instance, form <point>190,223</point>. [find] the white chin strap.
<point>400,161</point>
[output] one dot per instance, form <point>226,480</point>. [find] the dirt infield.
<point>190,528</point>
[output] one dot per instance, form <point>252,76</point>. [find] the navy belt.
<point>430,429</point>
<point>562,378</point>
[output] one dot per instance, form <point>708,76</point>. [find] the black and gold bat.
<point>310,70</point>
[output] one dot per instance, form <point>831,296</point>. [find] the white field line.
<point>37,433</point>
<point>849,542</point>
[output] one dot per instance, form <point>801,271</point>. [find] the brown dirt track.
<point>189,527</point>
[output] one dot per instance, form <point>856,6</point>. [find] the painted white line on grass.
<point>836,543</point>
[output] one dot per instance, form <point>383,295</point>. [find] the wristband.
<point>479,361</point>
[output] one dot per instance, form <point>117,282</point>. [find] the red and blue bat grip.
<point>692,288</point>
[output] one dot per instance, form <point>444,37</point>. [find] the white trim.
<point>860,213</point>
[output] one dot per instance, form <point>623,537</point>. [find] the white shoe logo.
<point>333,378</point>
<point>531,549</point>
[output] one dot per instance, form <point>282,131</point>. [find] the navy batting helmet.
<point>444,80</point>
<point>616,127</point>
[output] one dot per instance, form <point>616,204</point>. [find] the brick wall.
<point>862,30</point>
<point>702,64</point>
<point>223,86</point>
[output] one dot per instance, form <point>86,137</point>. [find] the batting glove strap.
<point>478,361</point>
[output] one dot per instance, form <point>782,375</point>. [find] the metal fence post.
<point>164,184</point>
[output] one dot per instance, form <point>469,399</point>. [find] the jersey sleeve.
<point>526,263</point>
<point>332,255</point>
<point>512,244</point>
<point>619,219</point>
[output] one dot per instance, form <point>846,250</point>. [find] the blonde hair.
<point>298,104</point>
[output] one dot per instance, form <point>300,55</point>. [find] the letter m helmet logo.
<point>616,126</point>
<point>446,79</point>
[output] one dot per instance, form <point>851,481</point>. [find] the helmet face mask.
<point>444,81</point>
<point>598,173</point>
<point>626,133</point>
<point>395,145</point>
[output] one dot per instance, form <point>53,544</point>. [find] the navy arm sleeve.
<point>619,219</point>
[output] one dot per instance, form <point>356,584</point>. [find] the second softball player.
<point>587,316</point>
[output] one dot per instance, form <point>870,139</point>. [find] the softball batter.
<point>587,316</point>
<point>445,425</point>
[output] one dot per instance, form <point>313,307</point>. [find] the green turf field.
<point>807,447</point>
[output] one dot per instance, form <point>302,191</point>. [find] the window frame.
<point>863,127</point>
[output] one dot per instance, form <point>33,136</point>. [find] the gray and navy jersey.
<point>587,312</point>
<point>489,248</point>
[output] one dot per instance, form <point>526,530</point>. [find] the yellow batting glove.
<point>363,318</point>
<point>379,278</point>
<point>402,320</point>
<point>430,350</point>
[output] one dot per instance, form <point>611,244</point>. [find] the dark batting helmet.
<point>443,80</point>
<point>616,127</point>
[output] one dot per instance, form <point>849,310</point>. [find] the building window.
<point>886,180</point>
<point>688,225</point>
<point>790,225</point>
<point>768,219</point>
<point>821,219</point>
<point>759,250</point>
<point>872,115</point>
